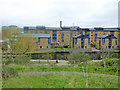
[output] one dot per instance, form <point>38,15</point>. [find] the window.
<point>40,46</point>
<point>85,46</point>
<point>112,46</point>
<point>47,46</point>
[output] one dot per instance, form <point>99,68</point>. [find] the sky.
<point>82,13</point>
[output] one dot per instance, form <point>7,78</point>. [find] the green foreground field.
<point>60,80</point>
<point>38,68</point>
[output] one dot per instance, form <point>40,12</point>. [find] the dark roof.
<point>107,36</point>
<point>71,28</point>
<point>81,36</point>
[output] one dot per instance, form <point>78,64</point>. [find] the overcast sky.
<point>83,13</point>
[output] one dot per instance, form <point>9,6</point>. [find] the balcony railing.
<point>82,40</point>
<point>82,44</point>
<point>75,41</point>
<point>87,33</point>
<point>110,40</point>
<point>95,33</point>
<point>110,45</point>
<point>62,33</point>
<point>25,32</point>
<point>103,41</point>
<point>111,33</point>
<point>54,33</point>
<point>54,39</point>
<point>95,36</point>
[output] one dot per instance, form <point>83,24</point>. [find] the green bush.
<point>110,62</point>
<point>6,61</point>
<point>8,72</point>
<point>78,57</point>
<point>21,60</point>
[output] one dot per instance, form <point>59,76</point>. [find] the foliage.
<point>36,52</point>
<point>8,72</point>
<point>92,68</point>
<point>110,62</point>
<point>78,57</point>
<point>60,80</point>
<point>21,60</point>
<point>112,54</point>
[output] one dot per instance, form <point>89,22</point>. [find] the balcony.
<point>75,41</point>
<point>87,33</point>
<point>54,39</point>
<point>71,33</point>
<point>103,41</point>
<point>54,33</point>
<point>111,33</point>
<point>115,41</point>
<point>62,36</point>
<point>110,40</point>
<point>62,33</point>
<point>104,34</point>
<point>38,40</point>
<point>48,41</point>
<point>71,36</point>
<point>95,40</point>
<point>82,40</point>
<point>95,33</point>
<point>95,36</point>
<point>25,32</point>
<point>109,45</point>
<point>82,44</point>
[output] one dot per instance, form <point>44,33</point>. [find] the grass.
<point>37,52</point>
<point>42,62</point>
<point>60,80</point>
<point>34,68</point>
<point>61,48</point>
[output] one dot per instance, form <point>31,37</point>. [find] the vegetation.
<point>36,52</point>
<point>42,62</point>
<point>95,67</point>
<point>61,47</point>
<point>60,80</point>
<point>8,72</point>
<point>78,57</point>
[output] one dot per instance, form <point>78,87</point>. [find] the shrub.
<point>8,72</point>
<point>78,57</point>
<point>110,62</point>
<point>21,60</point>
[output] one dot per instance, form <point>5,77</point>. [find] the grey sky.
<point>83,13</point>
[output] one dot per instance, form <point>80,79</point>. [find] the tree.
<point>78,58</point>
<point>18,42</point>
<point>24,44</point>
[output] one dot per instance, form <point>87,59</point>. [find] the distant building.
<point>65,35</point>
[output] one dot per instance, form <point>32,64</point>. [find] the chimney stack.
<point>60,23</point>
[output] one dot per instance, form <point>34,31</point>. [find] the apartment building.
<point>66,35</point>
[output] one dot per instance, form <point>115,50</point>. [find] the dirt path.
<point>26,73</point>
